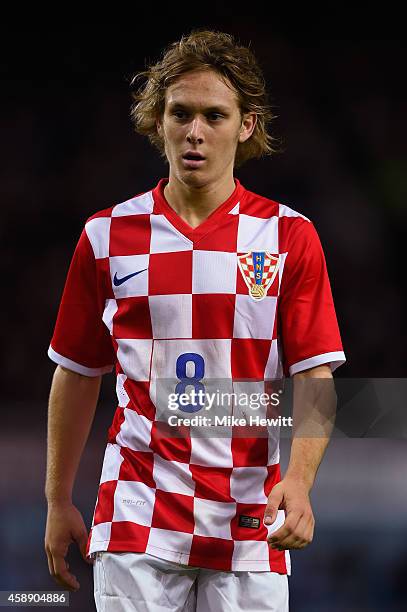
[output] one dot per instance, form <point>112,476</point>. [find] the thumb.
<point>273,503</point>
<point>82,541</point>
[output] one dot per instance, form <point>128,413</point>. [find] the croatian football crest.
<point>259,270</point>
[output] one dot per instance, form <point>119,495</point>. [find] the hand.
<point>298,528</point>
<point>64,526</point>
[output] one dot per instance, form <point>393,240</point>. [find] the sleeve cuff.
<point>334,360</point>
<point>77,367</point>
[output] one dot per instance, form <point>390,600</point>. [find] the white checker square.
<point>274,365</point>
<point>100,533</point>
<point>254,319</point>
<point>135,431</point>
<point>286,211</point>
<point>121,392</point>
<point>251,400</point>
<point>139,205</point>
<point>133,501</point>
<point>247,485</point>
<point>213,518</point>
<point>255,234</point>
<point>125,265</point>
<point>171,315</point>
<point>166,540</point>
<point>215,353</point>
<point>212,451</point>
<point>111,463</point>
<point>250,550</point>
<point>235,209</point>
<point>273,446</point>
<point>108,314</point>
<point>166,353</point>
<point>98,232</point>
<point>165,238</point>
<point>173,478</point>
<point>214,272</point>
<point>134,357</point>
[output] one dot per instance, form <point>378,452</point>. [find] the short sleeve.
<point>309,329</point>
<point>81,341</point>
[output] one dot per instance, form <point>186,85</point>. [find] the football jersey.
<point>241,299</point>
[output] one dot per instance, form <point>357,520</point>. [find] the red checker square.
<point>173,511</point>
<point>139,394</point>
<point>277,561</point>
<point>126,535</point>
<point>272,478</point>
<point>137,466</point>
<point>171,443</point>
<point>216,552</point>
<point>132,319</point>
<point>284,232</point>
<point>115,426</point>
<point>170,273</point>
<point>249,533</point>
<point>104,279</point>
<point>212,315</point>
<point>105,503</point>
<point>241,286</point>
<point>249,358</point>
<point>130,235</point>
<point>212,483</point>
<point>249,451</point>
<point>257,206</point>
<point>223,239</point>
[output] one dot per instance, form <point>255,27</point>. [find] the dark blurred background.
<point>68,150</point>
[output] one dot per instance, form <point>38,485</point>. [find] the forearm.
<point>314,410</point>
<point>72,406</point>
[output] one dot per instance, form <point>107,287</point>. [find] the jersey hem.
<point>334,360</point>
<point>244,565</point>
<point>77,367</point>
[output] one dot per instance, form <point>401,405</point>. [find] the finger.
<point>82,540</point>
<point>300,537</point>
<point>63,576</point>
<point>286,529</point>
<point>50,563</point>
<point>273,503</point>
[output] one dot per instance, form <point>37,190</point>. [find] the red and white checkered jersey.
<point>242,298</point>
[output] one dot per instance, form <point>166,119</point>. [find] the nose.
<point>194,134</point>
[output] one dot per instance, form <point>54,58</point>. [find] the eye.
<point>215,116</point>
<point>179,114</point>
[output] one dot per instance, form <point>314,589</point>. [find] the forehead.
<point>204,88</point>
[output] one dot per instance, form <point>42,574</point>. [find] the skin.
<point>201,113</point>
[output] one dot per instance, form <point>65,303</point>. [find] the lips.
<point>193,156</point>
<point>193,159</point>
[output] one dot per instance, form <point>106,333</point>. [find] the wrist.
<point>299,479</point>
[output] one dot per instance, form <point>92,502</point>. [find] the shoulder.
<point>257,205</point>
<point>98,226</point>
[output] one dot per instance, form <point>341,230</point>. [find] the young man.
<point>195,281</point>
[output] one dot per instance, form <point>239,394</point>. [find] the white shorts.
<point>128,581</point>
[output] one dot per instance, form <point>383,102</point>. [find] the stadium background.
<point>68,150</point>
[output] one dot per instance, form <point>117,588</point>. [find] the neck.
<point>195,204</point>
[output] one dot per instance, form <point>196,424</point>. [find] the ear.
<point>159,126</point>
<point>249,121</point>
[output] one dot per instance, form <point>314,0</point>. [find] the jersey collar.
<point>208,224</point>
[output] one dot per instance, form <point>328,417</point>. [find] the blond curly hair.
<point>206,50</point>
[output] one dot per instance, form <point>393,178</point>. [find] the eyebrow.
<point>210,109</point>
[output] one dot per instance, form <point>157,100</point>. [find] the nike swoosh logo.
<point>120,281</point>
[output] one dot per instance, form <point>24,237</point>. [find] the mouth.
<point>193,159</point>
